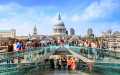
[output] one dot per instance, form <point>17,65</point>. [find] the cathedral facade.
<point>59,27</point>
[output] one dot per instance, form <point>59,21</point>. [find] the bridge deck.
<point>62,72</point>
<point>85,72</point>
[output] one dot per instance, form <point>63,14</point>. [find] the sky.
<point>23,15</point>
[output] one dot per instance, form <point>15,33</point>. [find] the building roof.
<point>3,31</point>
<point>59,22</point>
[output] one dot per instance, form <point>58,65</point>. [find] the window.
<point>60,30</point>
<point>55,30</point>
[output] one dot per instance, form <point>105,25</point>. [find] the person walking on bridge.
<point>64,63</point>
<point>10,49</point>
<point>28,44</point>
<point>15,45</point>
<point>20,46</point>
<point>69,64</point>
<point>59,64</point>
<point>62,44</point>
<point>73,64</point>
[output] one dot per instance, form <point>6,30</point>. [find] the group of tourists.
<point>90,43</point>
<point>20,45</point>
<point>94,45</point>
<point>70,63</point>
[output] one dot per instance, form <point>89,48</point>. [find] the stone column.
<point>62,30</point>
<point>57,30</point>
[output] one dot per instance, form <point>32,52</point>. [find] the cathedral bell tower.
<point>35,31</point>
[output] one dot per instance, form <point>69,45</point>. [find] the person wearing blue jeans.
<point>64,63</point>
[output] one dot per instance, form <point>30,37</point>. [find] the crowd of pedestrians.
<point>94,45</point>
<point>64,63</point>
<point>21,45</point>
<point>70,63</point>
<point>18,45</point>
<point>90,43</point>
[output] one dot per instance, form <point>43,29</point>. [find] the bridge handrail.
<point>110,67</point>
<point>23,50</point>
<point>20,67</point>
<point>102,62</point>
<point>95,48</point>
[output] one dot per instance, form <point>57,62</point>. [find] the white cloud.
<point>23,19</point>
<point>96,10</point>
<point>75,18</point>
<point>10,7</point>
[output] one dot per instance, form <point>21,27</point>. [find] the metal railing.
<point>22,53</point>
<point>96,54</point>
<point>42,67</point>
<point>100,66</point>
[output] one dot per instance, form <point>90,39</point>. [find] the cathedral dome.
<point>59,27</point>
<point>59,23</point>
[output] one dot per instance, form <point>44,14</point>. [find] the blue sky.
<point>23,15</point>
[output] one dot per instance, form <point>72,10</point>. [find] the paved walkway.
<point>62,72</point>
<point>85,72</point>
